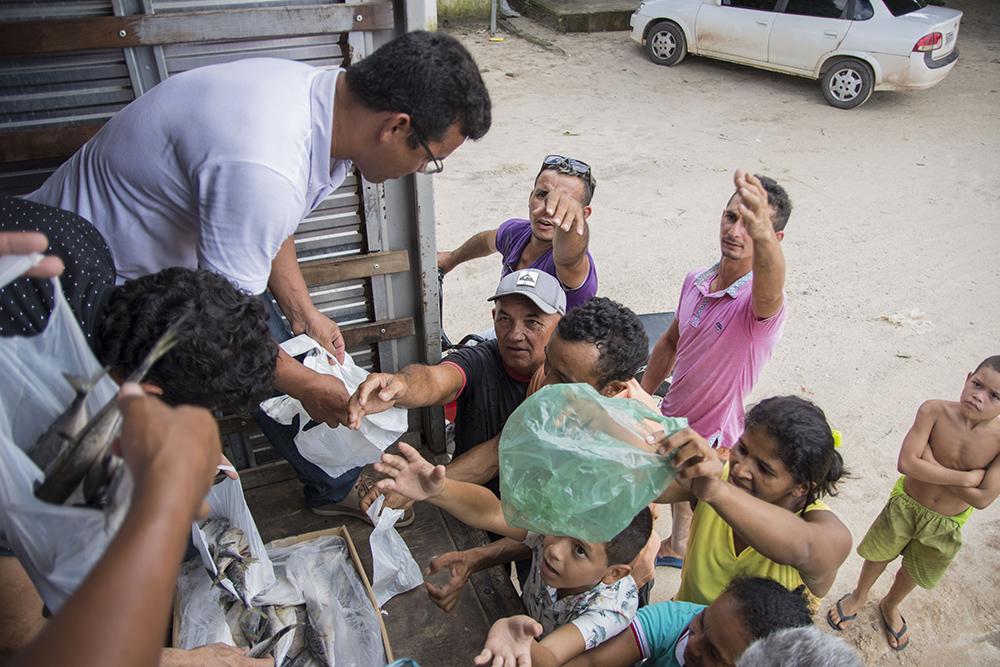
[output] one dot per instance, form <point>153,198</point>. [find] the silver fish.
<point>68,425</point>
<point>315,641</point>
<point>94,440</point>
<point>265,646</point>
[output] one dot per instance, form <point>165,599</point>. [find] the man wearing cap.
<point>553,239</point>
<point>486,381</point>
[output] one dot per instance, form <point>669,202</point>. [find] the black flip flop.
<point>895,635</point>
<point>839,625</point>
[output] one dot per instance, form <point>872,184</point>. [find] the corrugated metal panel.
<point>19,10</point>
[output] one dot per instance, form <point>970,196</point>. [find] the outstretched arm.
<point>619,651</point>
<point>572,235</point>
<point>412,476</point>
<point>479,464</point>
<point>479,245</point>
<point>511,643</point>
<point>768,259</point>
<point>416,386</point>
<point>661,362</point>
<point>912,462</point>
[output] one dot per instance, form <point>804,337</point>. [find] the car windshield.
<point>900,7</point>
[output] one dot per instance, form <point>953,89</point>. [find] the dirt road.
<point>895,212</point>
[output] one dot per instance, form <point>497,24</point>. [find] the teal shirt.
<point>657,628</point>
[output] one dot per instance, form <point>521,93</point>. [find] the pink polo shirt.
<point>720,353</point>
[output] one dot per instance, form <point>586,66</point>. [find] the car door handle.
<point>831,34</point>
<point>763,23</point>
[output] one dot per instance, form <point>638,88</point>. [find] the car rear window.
<point>900,7</point>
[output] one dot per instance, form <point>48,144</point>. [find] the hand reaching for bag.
<point>509,641</point>
<point>410,474</point>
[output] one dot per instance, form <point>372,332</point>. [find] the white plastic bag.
<point>393,569</point>
<point>202,620</point>
<point>226,501</point>
<point>57,545</point>
<point>335,450</point>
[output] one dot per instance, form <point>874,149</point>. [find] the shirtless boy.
<point>950,461</point>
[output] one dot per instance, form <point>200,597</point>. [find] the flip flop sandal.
<point>844,618</point>
<point>895,635</point>
<point>669,561</point>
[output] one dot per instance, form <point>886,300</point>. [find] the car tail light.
<point>928,42</point>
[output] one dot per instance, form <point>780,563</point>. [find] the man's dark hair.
<point>615,330</point>
<point>767,606</point>
<point>225,356</point>
<point>431,77</point>
<point>778,199</point>
<point>992,363</point>
<point>804,442</point>
<point>626,545</point>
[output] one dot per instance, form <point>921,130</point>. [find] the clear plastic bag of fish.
<point>335,450</point>
<point>574,462</point>
<point>230,545</point>
<point>57,544</point>
<point>316,613</point>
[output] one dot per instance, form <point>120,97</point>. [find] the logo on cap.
<point>527,279</point>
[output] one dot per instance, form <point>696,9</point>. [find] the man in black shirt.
<point>486,381</point>
<point>224,357</point>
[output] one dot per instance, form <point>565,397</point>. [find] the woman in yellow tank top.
<point>761,514</point>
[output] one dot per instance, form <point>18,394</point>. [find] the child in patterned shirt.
<point>580,593</point>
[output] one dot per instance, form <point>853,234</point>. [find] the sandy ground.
<point>894,212</point>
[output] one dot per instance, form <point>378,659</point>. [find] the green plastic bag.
<point>574,462</point>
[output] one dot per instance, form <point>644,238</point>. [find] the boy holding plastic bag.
<point>580,592</point>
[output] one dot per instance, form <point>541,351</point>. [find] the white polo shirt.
<point>213,168</point>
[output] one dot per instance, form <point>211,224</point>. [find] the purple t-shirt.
<point>720,353</point>
<point>513,237</point>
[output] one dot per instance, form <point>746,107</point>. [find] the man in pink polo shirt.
<point>729,318</point>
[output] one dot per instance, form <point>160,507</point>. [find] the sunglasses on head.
<point>567,165</point>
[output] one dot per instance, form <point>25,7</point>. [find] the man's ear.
<point>614,388</point>
<point>586,212</point>
<point>616,572</point>
<point>780,235</point>
<point>395,125</point>
<point>151,389</point>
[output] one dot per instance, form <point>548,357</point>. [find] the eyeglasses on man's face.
<point>432,163</point>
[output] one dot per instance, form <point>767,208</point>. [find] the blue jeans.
<point>319,488</point>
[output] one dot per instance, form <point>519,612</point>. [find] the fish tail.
<point>83,385</point>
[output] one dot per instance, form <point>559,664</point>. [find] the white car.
<point>852,46</point>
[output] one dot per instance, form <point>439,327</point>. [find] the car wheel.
<point>665,44</point>
<point>848,84</point>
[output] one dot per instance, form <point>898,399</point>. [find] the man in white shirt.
<point>216,167</point>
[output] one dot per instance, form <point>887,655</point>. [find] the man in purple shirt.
<point>554,238</point>
<point>729,319</point>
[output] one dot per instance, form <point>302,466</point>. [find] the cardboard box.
<point>340,531</point>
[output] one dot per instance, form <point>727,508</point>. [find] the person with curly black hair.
<point>667,634</point>
<point>224,358</point>
<point>761,513</point>
<point>216,167</point>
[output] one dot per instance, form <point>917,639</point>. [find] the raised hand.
<point>376,394</point>
<point>509,641</point>
<point>754,209</point>
<point>692,456</point>
<point>410,474</point>
<point>566,212</point>
<point>460,564</point>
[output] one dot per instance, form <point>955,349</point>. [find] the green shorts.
<point>928,540</point>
